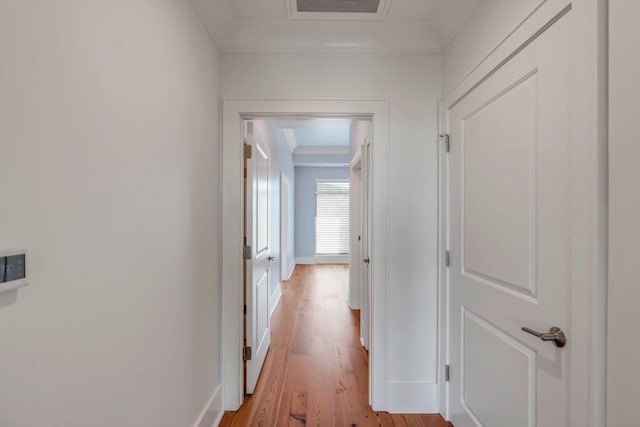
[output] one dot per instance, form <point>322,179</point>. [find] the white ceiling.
<point>420,26</point>
<point>315,132</point>
<point>312,142</point>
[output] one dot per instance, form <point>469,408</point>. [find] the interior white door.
<point>365,247</point>
<point>284,227</point>
<point>509,198</point>
<point>257,267</point>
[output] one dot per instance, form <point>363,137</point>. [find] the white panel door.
<point>257,268</point>
<point>509,240</point>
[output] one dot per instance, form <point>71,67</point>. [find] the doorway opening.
<point>235,113</point>
<point>297,210</point>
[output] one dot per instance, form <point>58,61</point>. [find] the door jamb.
<point>284,268</point>
<point>234,111</point>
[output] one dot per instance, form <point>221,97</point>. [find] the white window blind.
<point>332,218</point>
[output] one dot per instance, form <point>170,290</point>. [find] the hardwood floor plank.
<point>302,340</point>
<point>298,411</point>
<point>316,372</point>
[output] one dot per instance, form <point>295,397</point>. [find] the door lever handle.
<point>270,258</point>
<point>366,260</point>
<point>555,334</point>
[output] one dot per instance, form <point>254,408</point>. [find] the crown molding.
<point>290,137</point>
<point>320,165</point>
<point>322,150</point>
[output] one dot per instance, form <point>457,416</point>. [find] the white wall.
<point>489,24</point>
<point>623,375</point>
<point>412,85</point>
<point>109,176</point>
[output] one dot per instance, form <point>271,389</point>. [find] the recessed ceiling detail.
<point>338,9</point>
<point>397,26</point>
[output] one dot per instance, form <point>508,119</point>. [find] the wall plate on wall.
<point>13,269</point>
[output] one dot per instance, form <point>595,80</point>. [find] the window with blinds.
<point>332,217</point>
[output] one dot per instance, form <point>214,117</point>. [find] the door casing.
<point>284,227</point>
<point>236,110</point>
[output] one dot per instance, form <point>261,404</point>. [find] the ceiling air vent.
<point>338,9</point>
<point>338,6</point>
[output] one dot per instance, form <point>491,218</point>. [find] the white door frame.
<point>588,176</point>
<point>284,227</point>
<point>234,111</point>
<point>354,297</point>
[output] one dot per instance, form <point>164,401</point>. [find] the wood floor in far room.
<point>316,371</point>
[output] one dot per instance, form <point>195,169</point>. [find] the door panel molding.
<point>500,397</point>
<point>479,261</point>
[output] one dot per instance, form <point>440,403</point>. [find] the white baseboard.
<point>275,299</point>
<point>332,259</point>
<point>324,259</point>
<point>291,268</point>
<point>412,397</point>
<point>352,306</point>
<point>212,413</point>
<point>362,343</point>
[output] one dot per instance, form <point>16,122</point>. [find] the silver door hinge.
<point>447,371</point>
<point>246,252</point>
<point>246,354</point>
<point>447,258</point>
<point>447,144</point>
<point>247,151</point>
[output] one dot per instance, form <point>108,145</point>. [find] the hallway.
<point>316,371</point>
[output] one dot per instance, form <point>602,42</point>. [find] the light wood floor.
<point>316,371</point>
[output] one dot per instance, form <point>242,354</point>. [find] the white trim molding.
<point>274,299</point>
<point>319,150</point>
<point>413,397</point>
<point>212,412</point>
<point>292,267</point>
<point>321,165</point>
<point>290,137</point>
<point>332,259</point>
<point>323,259</point>
<point>234,111</point>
